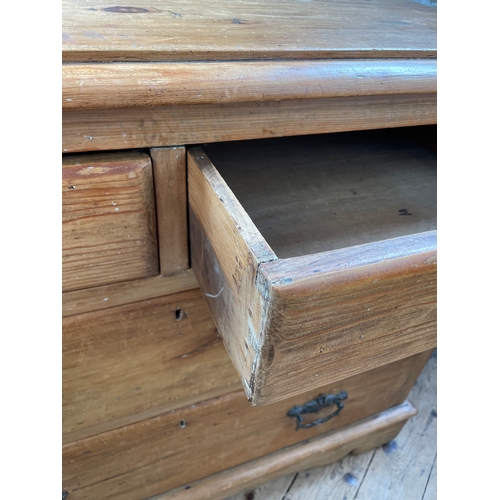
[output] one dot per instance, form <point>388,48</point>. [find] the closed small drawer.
<point>316,255</point>
<point>109,223</point>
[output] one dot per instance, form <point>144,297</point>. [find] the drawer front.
<point>128,363</point>
<point>357,438</point>
<point>109,223</point>
<point>291,324</point>
<point>175,448</point>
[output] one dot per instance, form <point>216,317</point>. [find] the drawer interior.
<point>316,255</point>
<point>318,193</point>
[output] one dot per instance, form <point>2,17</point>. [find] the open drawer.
<point>317,255</point>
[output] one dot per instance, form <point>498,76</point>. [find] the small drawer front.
<point>109,223</point>
<point>178,447</point>
<point>128,363</point>
<point>345,278</point>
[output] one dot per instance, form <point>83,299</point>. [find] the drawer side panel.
<point>226,251</point>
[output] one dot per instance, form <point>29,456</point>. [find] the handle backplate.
<point>314,406</point>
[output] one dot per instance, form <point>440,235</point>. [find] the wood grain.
<point>344,479</point>
<point>316,452</point>
<point>125,85</point>
<point>226,252</point>
<point>323,316</point>
<point>169,168</point>
<point>340,481</point>
<point>133,362</point>
<point>273,490</point>
<point>109,223</point>
<point>338,313</point>
<point>403,469</point>
<point>222,30</point>
<point>317,193</point>
<point>117,294</point>
<point>195,124</point>
<point>175,448</point>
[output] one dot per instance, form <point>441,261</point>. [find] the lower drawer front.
<point>181,446</point>
<point>129,363</point>
<point>357,438</point>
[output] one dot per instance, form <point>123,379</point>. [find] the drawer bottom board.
<point>318,452</point>
<point>178,447</point>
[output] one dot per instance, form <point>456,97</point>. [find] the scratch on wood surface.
<point>216,295</point>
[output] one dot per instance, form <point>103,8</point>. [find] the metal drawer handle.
<point>314,406</point>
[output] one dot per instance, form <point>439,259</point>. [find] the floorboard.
<point>431,489</point>
<point>340,480</point>
<point>405,468</point>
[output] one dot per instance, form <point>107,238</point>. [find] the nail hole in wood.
<point>180,314</point>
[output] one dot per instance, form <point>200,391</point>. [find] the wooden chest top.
<point>176,30</point>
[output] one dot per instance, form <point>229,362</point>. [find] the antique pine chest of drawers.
<point>249,238</point>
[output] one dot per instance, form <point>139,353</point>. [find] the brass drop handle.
<point>314,406</point>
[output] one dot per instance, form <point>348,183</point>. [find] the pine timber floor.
<point>404,469</point>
